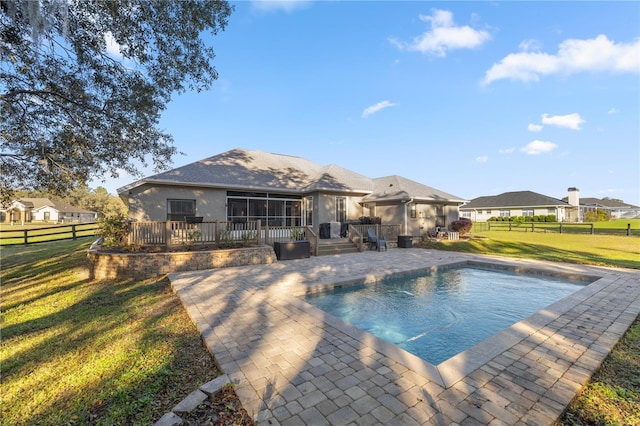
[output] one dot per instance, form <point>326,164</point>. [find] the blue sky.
<point>472,98</point>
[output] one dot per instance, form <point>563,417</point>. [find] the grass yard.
<point>602,250</point>
<point>75,351</point>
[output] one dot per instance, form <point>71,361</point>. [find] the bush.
<point>462,225</point>
<point>114,230</point>
<point>551,218</point>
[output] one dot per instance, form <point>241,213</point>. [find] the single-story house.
<point>616,209</point>
<point>518,203</point>
<point>26,210</point>
<point>284,190</point>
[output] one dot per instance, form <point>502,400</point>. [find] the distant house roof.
<point>609,204</point>
<point>40,203</point>
<point>261,171</point>
<point>514,199</point>
<point>398,188</point>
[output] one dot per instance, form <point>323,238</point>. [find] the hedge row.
<point>521,219</point>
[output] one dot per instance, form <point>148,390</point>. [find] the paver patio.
<point>295,365</point>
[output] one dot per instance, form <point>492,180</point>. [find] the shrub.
<point>551,218</point>
<point>114,230</point>
<point>370,220</point>
<point>462,225</point>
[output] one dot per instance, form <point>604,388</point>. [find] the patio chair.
<point>374,241</point>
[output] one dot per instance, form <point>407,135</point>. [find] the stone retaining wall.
<point>104,266</point>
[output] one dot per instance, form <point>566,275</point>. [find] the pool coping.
<point>295,365</point>
<point>452,370</point>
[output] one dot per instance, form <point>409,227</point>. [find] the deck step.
<point>336,246</point>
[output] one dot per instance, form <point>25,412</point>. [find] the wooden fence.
<point>557,227</point>
<point>50,233</point>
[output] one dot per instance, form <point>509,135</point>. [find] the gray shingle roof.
<point>514,199</point>
<point>398,188</point>
<point>612,204</point>
<point>258,170</point>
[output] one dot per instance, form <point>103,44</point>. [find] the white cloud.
<point>593,55</point>
<point>276,5</point>
<point>377,107</point>
<point>530,45</point>
<point>482,159</point>
<point>570,121</point>
<point>113,48</point>
<point>506,150</point>
<point>534,127</point>
<point>537,147</point>
<point>613,111</point>
<point>444,35</point>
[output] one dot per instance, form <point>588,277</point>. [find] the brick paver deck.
<point>295,365</point>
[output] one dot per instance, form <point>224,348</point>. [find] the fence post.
<point>561,227</point>
<point>73,232</point>
<point>628,229</point>
<point>167,233</point>
<point>592,230</point>
<point>26,237</point>
<point>216,233</point>
<point>259,231</point>
<point>266,233</point>
<point>509,226</point>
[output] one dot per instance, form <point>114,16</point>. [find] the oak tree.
<point>83,84</point>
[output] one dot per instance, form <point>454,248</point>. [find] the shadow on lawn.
<point>121,385</point>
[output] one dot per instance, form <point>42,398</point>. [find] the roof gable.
<point>259,170</point>
<point>398,188</point>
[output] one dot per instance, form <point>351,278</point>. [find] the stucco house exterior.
<point>284,190</point>
<point>27,210</point>
<point>518,203</point>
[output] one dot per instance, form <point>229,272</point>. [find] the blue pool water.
<point>438,315</point>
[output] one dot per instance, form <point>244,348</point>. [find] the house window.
<point>414,214</point>
<point>466,214</point>
<point>178,209</point>
<point>551,211</point>
<point>505,213</point>
<point>308,211</point>
<point>47,216</point>
<point>341,209</point>
<point>269,209</point>
<point>440,216</point>
<point>487,211</point>
<point>527,212</point>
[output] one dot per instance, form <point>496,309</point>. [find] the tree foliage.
<point>98,200</point>
<point>83,83</point>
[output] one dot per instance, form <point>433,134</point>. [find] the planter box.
<point>292,250</point>
<point>405,241</point>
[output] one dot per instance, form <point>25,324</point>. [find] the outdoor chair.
<point>374,241</point>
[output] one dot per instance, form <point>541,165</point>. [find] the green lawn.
<point>603,250</point>
<point>76,351</point>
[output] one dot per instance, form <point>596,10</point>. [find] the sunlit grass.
<point>602,250</point>
<point>76,351</point>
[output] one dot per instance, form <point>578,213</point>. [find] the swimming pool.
<point>438,314</point>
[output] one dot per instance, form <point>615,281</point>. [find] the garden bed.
<point>105,264</point>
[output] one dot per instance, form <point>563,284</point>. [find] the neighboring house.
<point>511,204</point>
<point>615,209</point>
<point>283,190</point>
<point>26,210</point>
